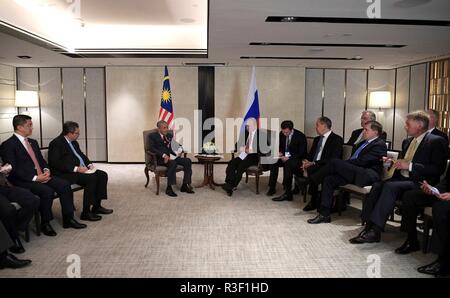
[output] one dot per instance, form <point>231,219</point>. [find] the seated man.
<point>292,149</point>
<point>357,134</point>
<point>424,158</point>
<point>363,168</point>
<point>413,202</point>
<point>326,146</point>
<point>163,145</point>
<point>249,154</point>
<point>8,260</point>
<point>15,220</point>
<point>30,171</point>
<point>67,161</point>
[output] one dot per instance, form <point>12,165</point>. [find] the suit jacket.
<point>256,144</point>
<point>439,133</point>
<point>371,156</point>
<point>14,153</point>
<point>444,185</point>
<point>430,159</point>
<point>159,146</point>
<point>357,132</point>
<point>297,146</point>
<point>61,158</point>
<point>331,149</point>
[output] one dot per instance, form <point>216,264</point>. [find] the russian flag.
<point>252,101</point>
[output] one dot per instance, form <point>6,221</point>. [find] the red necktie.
<point>33,157</point>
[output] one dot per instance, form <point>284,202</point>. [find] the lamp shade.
<point>380,99</point>
<point>26,99</point>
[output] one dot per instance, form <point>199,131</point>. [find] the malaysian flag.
<point>166,110</point>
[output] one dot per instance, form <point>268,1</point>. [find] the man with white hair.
<point>357,134</point>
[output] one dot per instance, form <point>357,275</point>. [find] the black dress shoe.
<point>47,229</point>
<point>309,207</point>
<point>10,261</point>
<point>170,192</point>
<point>72,223</point>
<point>431,269</point>
<point>407,247</point>
<point>271,192</point>
<point>319,219</point>
<point>187,188</point>
<point>101,210</point>
<point>283,197</point>
<point>89,216</point>
<point>228,188</point>
<point>370,236</point>
<point>18,247</point>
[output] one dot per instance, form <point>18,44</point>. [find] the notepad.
<point>91,171</point>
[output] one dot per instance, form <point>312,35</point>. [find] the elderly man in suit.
<point>424,157</point>
<point>15,220</point>
<point>248,146</point>
<point>30,171</point>
<point>291,153</point>
<point>168,153</point>
<point>325,147</point>
<point>8,260</point>
<point>363,168</point>
<point>357,134</point>
<point>67,161</point>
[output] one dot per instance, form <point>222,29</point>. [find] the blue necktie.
<point>319,146</point>
<point>77,155</point>
<point>355,155</point>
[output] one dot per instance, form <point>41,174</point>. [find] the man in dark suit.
<point>424,158</point>
<point>30,171</point>
<point>434,119</point>
<point>8,260</point>
<point>165,148</point>
<point>292,150</point>
<point>326,146</point>
<point>249,151</point>
<point>15,220</point>
<point>357,134</point>
<point>363,168</point>
<point>67,161</point>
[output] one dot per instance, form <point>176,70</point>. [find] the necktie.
<point>77,155</point>
<point>33,157</point>
<point>319,147</point>
<point>408,156</point>
<point>355,155</point>
<point>411,150</point>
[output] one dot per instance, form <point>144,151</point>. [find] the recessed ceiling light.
<point>347,34</point>
<point>288,19</point>
<point>187,20</point>
<point>329,35</point>
<point>317,50</point>
<point>24,57</point>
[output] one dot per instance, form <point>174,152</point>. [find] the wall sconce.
<point>380,99</point>
<point>26,99</point>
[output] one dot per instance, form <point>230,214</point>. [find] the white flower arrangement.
<point>209,148</point>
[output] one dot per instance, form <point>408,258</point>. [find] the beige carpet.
<point>209,235</point>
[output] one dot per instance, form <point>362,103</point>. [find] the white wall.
<point>7,96</point>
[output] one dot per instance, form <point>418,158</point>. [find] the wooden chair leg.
<point>157,184</point>
<point>257,183</point>
<point>37,222</point>
<point>147,176</point>
<point>426,235</point>
<point>306,193</point>
<point>27,233</point>
<point>339,201</point>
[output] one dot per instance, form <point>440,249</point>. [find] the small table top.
<point>208,157</point>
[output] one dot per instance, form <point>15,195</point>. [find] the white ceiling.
<point>233,24</point>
